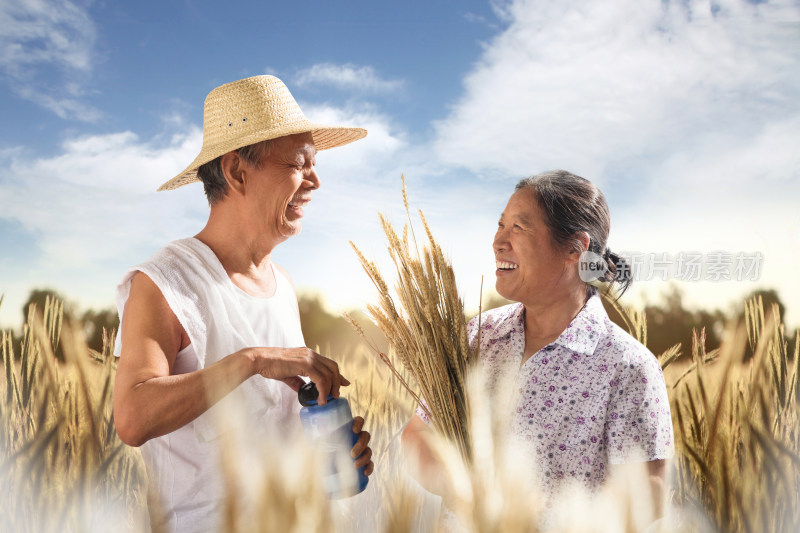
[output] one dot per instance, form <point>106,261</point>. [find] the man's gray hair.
<point>211,175</point>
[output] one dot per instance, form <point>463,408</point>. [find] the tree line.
<point>669,321</point>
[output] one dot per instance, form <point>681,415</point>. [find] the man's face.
<point>282,186</point>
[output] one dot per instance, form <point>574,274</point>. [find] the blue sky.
<point>686,114</point>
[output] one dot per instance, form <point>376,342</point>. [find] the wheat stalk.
<point>60,458</point>
<point>426,327</point>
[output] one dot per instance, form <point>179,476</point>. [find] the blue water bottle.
<point>330,429</point>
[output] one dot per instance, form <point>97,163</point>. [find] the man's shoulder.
<point>167,270</point>
<point>187,246</point>
<point>284,273</point>
<point>183,262</point>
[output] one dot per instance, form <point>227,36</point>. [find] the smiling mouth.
<point>506,266</point>
<point>294,204</point>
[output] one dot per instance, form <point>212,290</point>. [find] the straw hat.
<point>251,110</point>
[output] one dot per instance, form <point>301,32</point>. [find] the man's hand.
<point>361,451</point>
<point>287,364</point>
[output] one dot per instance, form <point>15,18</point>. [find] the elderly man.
<point>210,322</point>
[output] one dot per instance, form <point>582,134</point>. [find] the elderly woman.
<point>586,394</point>
<point>210,324</point>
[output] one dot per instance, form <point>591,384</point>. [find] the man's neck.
<point>244,255</point>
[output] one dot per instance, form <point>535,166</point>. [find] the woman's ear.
<point>233,169</point>
<point>574,254</point>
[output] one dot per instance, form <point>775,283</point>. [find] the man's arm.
<point>150,402</point>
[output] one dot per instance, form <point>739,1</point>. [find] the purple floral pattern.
<point>594,397</point>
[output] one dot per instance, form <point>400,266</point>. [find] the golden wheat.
<point>429,333</point>
<point>737,465</point>
<point>737,428</point>
<point>60,457</point>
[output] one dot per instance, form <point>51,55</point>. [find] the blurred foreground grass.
<point>737,464</point>
<point>62,467</point>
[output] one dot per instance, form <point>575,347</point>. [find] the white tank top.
<point>185,478</point>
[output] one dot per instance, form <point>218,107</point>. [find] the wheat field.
<point>736,469</point>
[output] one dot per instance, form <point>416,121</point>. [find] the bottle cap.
<point>308,394</point>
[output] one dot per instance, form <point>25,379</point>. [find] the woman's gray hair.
<point>570,205</point>
<point>211,175</point>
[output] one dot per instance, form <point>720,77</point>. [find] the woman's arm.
<point>657,472</point>
<point>423,464</point>
<point>150,402</point>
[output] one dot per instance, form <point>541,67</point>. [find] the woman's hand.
<point>422,462</point>
<point>361,451</point>
<point>287,364</point>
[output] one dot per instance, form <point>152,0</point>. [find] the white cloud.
<point>353,189</point>
<point>93,209</point>
<point>671,114</point>
<point>45,47</point>
<point>469,16</point>
<point>99,186</point>
<point>568,84</point>
<point>685,113</point>
<point>348,76</point>
<point>35,32</point>
<point>734,197</point>
<point>64,108</point>
<point>120,161</point>
<point>362,179</point>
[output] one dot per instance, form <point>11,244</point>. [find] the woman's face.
<point>529,267</point>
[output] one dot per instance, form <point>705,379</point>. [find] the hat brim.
<point>325,137</point>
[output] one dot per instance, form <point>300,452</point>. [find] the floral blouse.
<point>594,397</point>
